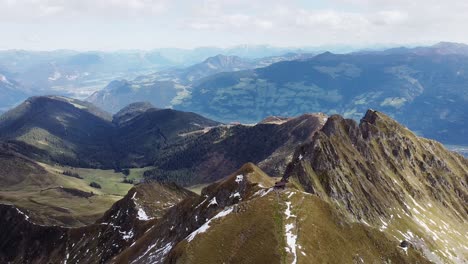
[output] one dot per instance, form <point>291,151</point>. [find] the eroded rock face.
<point>378,169</point>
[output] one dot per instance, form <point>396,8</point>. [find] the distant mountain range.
<point>79,74</point>
<point>426,81</point>
<point>168,87</point>
<point>426,91</point>
<point>441,48</point>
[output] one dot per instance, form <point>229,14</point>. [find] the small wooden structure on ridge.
<point>281,184</point>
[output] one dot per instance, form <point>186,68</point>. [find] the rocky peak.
<point>336,124</point>
<point>239,185</point>
<point>370,116</point>
<point>378,169</point>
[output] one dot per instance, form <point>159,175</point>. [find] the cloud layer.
<point>119,24</point>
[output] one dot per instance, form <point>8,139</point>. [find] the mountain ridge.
<point>379,172</point>
<point>73,132</point>
<point>364,188</point>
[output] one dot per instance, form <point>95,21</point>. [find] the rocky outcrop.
<point>378,169</point>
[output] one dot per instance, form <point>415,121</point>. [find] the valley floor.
<point>69,201</point>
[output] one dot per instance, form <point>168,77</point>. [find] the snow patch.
<point>159,254</point>
<point>287,212</point>
<point>235,195</point>
<point>384,225</point>
<point>206,225</point>
<point>291,238</point>
<point>25,216</point>
<point>127,235</point>
<point>204,201</point>
<point>364,222</point>
<point>404,249</point>
<point>263,192</point>
<point>239,178</point>
<point>142,215</point>
<point>213,202</point>
<point>66,258</point>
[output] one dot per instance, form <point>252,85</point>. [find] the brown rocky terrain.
<point>380,173</point>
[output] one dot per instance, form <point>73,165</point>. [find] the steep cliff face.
<point>379,172</point>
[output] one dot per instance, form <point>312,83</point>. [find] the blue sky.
<point>148,24</point>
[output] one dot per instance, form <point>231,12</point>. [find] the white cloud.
<point>39,9</point>
<point>153,23</point>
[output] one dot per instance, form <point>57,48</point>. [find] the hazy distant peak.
<point>443,44</point>
<point>131,111</point>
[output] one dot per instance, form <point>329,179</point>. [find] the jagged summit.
<point>249,177</point>
<point>370,116</point>
<point>379,172</point>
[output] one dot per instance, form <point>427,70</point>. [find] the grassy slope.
<point>256,233</point>
<point>47,203</point>
<point>248,236</point>
<point>110,181</point>
<point>324,236</point>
